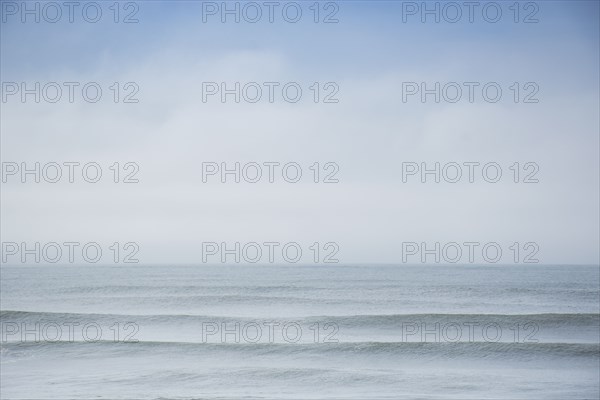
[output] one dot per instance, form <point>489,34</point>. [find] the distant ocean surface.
<point>300,332</point>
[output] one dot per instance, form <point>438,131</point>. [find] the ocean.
<point>300,332</point>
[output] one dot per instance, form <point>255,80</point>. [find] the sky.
<point>364,131</point>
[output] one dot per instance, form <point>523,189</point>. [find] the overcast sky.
<point>369,133</point>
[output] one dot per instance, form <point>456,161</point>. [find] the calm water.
<point>300,332</point>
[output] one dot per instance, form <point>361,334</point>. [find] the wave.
<point>367,320</point>
<point>553,319</point>
<point>481,350</point>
